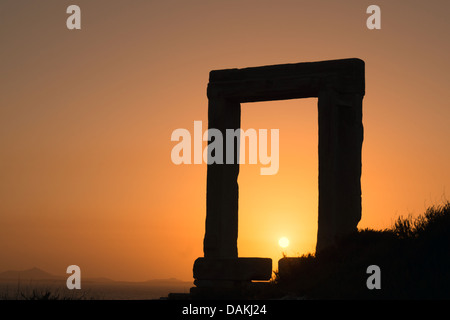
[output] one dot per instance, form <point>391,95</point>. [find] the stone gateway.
<point>339,86</point>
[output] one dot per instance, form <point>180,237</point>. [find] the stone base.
<point>288,266</point>
<point>233,269</point>
<point>240,290</point>
<point>208,289</point>
<point>229,278</point>
<point>177,296</point>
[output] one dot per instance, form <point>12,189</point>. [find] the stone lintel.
<point>287,81</point>
<point>233,269</point>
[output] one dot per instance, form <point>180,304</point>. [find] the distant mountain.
<point>98,279</point>
<point>30,274</point>
<point>38,274</point>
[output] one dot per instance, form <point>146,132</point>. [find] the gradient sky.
<point>86,117</point>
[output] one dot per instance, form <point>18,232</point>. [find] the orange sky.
<point>86,117</point>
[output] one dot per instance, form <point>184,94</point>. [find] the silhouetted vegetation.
<point>43,293</point>
<point>413,256</point>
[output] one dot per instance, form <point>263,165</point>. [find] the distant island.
<point>38,284</point>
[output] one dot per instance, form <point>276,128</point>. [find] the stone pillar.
<point>222,193</point>
<point>221,273</point>
<point>340,144</point>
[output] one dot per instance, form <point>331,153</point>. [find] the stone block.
<point>233,269</point>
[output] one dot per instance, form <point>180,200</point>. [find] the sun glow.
<point>283,242</point>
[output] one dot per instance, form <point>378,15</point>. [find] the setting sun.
<point>283,242</point>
